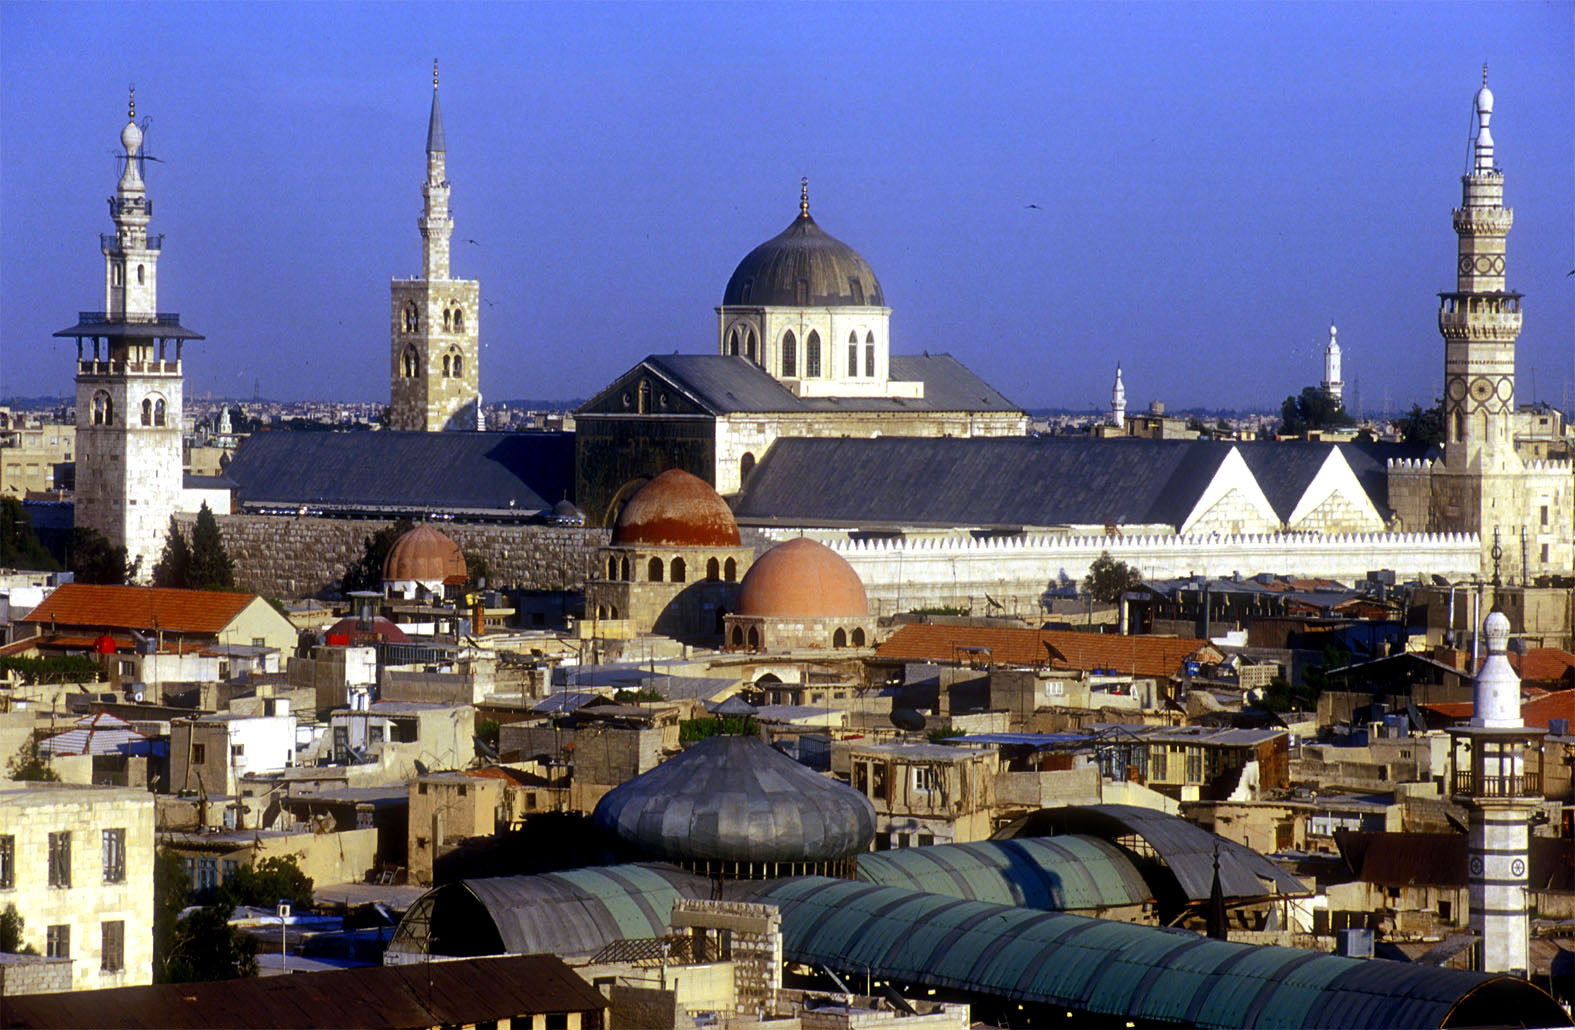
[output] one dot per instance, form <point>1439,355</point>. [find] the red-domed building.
<point>800,594</point>
<point>673,564</point>
<point>422,564</point>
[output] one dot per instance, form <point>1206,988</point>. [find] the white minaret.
<point>1332,384</point>
<point>1118,401</point>
<point>1493,779</point>
<point>129,390</point>
<point>435,350</point>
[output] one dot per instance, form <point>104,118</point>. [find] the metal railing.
<point>1527,784</point>
<point>107,318</point>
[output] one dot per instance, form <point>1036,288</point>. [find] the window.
<point>57,941</point>
<point>446,372</point>
<point>117,275</point>
<point>459,323</point>
<point>115,856</point>
<point>926,839</point>
<point>857,289</point>
<point>678,571</point>
<point>853,355</point>
<point>233,866</point>
<point>653,571</point>
<point>421,788</point>
<point>112,950</point>
<point>904,840</point>
<point>858,638</point>
<point>926,779</point>
<point>730,570</point>
<point>839,638</point>
<point>237,750</point>
<point>158,411</point>
<point>746,465</point>
<point>789,355</point>
<point>1544,514</point>
<point>461,790</point>
<point>141,275</point>
<point>7,861</point>
<point>459,365</point>
<point>749,346</point>
<point>199,754</point>
<point>1544,554</point>
<point>147,412</point>
<point>60,859</point>
<point>207,877</point>
<point>869,355</point>
<point>644,396</point>
<point>732,343</point>
<point>410,363</point>
<point>712,568</point>
<point>812,355</point>
<point>555,1021</point>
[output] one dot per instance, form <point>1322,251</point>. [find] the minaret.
<point>434,373</point>
<point>1118,401</point>
<point>1332,383</point>
<point>129,390</point>
<point>1476,486</point>
<point>1491,758</point>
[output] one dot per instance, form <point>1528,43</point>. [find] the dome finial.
<point>803,197</point>
<point>131,105</point>
<point>1484,73</point>
<point>434,73</point>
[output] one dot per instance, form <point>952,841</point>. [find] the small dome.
<point>1496,628</point>
<point>734,799</point>
<point>803,578</point>
<point>803,252</point>
<point>676,509</point>
<point>424,555</point>
<point>131,137</point>
<point>1484,100</point>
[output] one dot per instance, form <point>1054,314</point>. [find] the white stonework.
<point>1333,385</point>
<point>434,321</point>
<point>1334,502</point>
<point>1118,402</point>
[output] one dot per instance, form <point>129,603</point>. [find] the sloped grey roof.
<point>724,384</point>
<point>735,799</point>
<point>495,474</point>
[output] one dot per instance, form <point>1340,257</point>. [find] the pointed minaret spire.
<point>1118,401</point>
<point>436,225</point>
<point>803,197</point>
<point>435,144</point>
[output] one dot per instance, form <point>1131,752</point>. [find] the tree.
<point>171,893</point>
<point>264,884</point>
<point>1313,409</point>
<point>29,764</point>
<point>20,547</point>
<point>200,945</point>
<point>1424,426</point>
<point>1108,578</point>
<point>95,560</point>
<point>211,568</point>
<point>11,926</point>
<point>366,572</point>
<point>174,567</point>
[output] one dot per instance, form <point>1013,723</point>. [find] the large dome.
<point>424,555</point>
<point>832,272</point>
<point>805,579</point>
<point>676,509</point>
<point>734,799</point>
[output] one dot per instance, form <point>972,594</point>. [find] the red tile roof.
<point>147,609</point>
<point>1559,704</point>
<point>1056,649</point>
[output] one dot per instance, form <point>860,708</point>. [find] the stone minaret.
<point>1497,766</point>
<point>1333,385</point>
<point>434,374</point>
<point>129,389</point>
<point>1118,401</point>
<point>1475,489</point>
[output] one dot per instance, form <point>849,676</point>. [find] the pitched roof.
<point>1535,713</point>
<point>1056,649</point>
<point>518,474</point>
<point>148,609</point>
<point>1544,665</point>
<point>1439,859</point>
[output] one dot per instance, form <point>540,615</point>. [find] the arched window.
<point>612,567</point>
<point>147,412</point>
<point>412,320</point>
<point>754,638</point>
<point>117,275</point>
<point>459,320</point>
<point>730,570</point>
<point>839,638</point>
<point>445,366</point>
<point>1460,425</point>
<point>612,611</point>
<point>853,355</point>
<point>141,277</point>
<point>869,355</point>
<point>625,570</point>
<point>645,396</point>
<point>459,365</point>
<point>858,637</point>
<point>410,362</point>
<point>732,343</point>
<point>789,355</point>
<point>746,465</point>
<point>654,570</point>
<point>738,636</point>
<point>158,411</point>
<point>445,320</point>
<point>713,568</point>
<point>749,344</point>
<point>677,570</point>
<point>109,410</point>
<point>812,355</point>
<point>103,409</point>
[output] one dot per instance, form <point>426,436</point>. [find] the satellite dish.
<point>907,719</point>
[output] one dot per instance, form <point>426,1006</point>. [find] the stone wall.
<point>287,557</point>
<point>34,974</point>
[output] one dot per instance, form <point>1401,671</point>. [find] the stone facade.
<point>77,862</point>
<point>679,592</point>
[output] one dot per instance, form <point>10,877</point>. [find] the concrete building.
<point>77,862</point>
<point>33,457</point>
<point>445,809</point>
<point>926,794</point>
<point>434,351</point>
<point>1523,511</point>
<point>129,394</point>
<point>210,754</point>
<point>401,738</point>
<point>82,614</point>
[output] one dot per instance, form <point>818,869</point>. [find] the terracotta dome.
<point>676,509</point>
<point>424,555</point>
<point>802,578</point>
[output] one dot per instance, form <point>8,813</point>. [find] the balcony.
<point>108,241</point>
<point>1523,785</point>
<point>89,367</point>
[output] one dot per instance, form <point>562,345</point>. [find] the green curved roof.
<point>1065,873</point>
<point>1120,969</point>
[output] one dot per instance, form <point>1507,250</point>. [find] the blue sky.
<point>1214,183</point>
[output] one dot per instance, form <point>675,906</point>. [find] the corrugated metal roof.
<point>1057,873</point>
<point>517,474</point>
<point>1114,969</point>
<point>1009,645</point>
<point>146,609</point>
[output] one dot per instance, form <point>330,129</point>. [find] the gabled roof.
<point>1057,649</point>
<point>1535,713</point>
<point>512,474</point>
<point>146,609</point>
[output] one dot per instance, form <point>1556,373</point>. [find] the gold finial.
<point>131,109</point>
<point>434,73</point>
<point>803,197</point>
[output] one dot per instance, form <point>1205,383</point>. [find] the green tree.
<point>11,926</point>
<point>201,944</point>
<point>264,884</point>
<point>174,567</point>
<point>366,572</point>
<point>1423,426</point>
<point>1313,409</point>
<point>1108,578</point>
<point>95,560</point>
<point>20,547</point>
<point>29,764</point>
<point>211,568</point>
<point>171,894</point>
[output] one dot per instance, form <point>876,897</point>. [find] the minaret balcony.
<point>1484,221</point>
<point>130,206</point>
<point>1518,785</point>
<point>91,367</point>
<point>109,242</point>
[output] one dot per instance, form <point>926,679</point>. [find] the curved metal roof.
<point>1119,969</point>
<point>735,799</point>
<point>770,275</point>
<point>1056,873</point>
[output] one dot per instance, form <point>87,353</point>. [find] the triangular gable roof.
<point>98,734</point>
<point>146,609</point>
<point>1232,475</point>
<point>1009,645</point>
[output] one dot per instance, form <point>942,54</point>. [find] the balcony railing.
<point>89,367</point>
<point>1524,785</point>
<point>109,241</point>
<point>105,318</point>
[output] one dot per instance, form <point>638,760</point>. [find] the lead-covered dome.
<point>425,555</point>
<point>731,799</point>
<point>676,509</point>
<point>802,578</point>
<point>803,266</point>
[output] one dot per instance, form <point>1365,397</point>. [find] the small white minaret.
<point>1118,401</point>
<point>1492,778</point>
<point>1332,384</point>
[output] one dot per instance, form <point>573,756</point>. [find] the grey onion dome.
<point>831,272</point>
<point>735,799</point>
